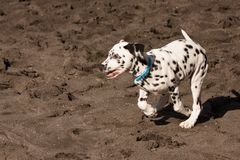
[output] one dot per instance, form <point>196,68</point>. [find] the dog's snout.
<point>102,67</point>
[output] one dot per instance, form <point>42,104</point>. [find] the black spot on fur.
<point>157,61</point>
<point>186,50</point>
<point>162,82</point>
<point>162,58</point>
<point>168,51</point>
<point>195,86</point>
<point>149,76</point>
<point>155,84</point>
<point>161,76</point>
<point>157,75</point>
<point>185,66</point>
<point>143,99</point>
<point>175,94</point>
<point>142,84</point>
<point>166,76</point>
<point>138,69</point>
<point>176,70</point>
<point>134,72</point>
<point>157,79</point>
<point>185,59</point>
<point>174,62</point>
<point>205,58</point>
<point>173,80</point>
<point>134,67</point>
<point>199,101</point>
<point>173,97</point>
<point>201,51</point>
<point>189,73</point>
<point>194,55</point>
<point>146,81</point>
<point>171,88</point>
<point>174,102</point>
<point>189,46</point>
<point>197,51</point>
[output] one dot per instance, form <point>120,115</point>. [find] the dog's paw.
<point>150,112</point>
<point>187,124</point>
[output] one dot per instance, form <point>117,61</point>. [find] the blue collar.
<point>145,73</point>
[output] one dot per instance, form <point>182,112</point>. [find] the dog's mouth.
<point>114,73</point>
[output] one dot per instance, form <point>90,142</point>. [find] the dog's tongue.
<point>112,74</point>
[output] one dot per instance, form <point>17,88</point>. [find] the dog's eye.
<point>115,56</point>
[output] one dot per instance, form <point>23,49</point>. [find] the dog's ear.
<point>138,51</point>
<point>121,41</point>
<point>130,48</point>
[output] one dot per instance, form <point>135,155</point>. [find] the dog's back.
<point>187,55</point>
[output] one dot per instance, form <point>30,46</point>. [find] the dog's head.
<point>120,58</point>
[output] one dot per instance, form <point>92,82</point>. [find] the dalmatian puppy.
<point>160,71</point>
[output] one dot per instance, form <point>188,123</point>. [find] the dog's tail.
<point>185,35</point>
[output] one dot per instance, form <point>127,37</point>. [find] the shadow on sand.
<point>213,108</point>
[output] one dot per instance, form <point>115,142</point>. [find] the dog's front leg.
<point>147,109</point>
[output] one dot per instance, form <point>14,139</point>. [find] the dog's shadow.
<point>213,108</point>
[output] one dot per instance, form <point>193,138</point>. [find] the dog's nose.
<point>102,67</point>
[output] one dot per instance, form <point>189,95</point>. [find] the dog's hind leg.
<point>196,84</point>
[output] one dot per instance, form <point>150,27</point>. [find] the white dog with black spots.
<point>160,71</point>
